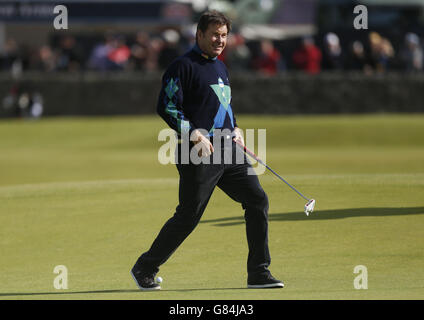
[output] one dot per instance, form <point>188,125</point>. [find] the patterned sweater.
<point>196,94</point>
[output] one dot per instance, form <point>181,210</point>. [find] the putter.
<point>309,206</point>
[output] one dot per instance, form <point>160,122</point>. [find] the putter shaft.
<point>254,156</point>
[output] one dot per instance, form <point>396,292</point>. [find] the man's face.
<point>213,41</point>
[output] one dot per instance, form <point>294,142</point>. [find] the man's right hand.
<point>202,144</point>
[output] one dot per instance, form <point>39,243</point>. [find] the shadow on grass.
<point>111,291</point>
<point>231,221</point>
<point>323,215</point>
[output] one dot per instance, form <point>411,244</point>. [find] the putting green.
<point>90,194</point>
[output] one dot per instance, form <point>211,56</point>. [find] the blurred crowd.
<point>147,52</point>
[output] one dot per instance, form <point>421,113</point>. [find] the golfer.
<point>196,97</point>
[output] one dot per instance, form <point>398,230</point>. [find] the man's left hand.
<point>238,135</point>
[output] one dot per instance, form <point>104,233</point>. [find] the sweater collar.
<point>204,55</point>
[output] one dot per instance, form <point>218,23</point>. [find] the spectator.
<point>99,56</point>
<point>374,40</point>
<point>332,55</point>
<point>151,53</point>
<point>412,53</point>
<point>188,37</point>
<point>236,54</point>
<point>120,54</point>
<point>46,59</point>
<point>9,102</point>
<point>22,101</point>
<point>269,61</point>
<point>387,54</point>
<point>357,59</point>
<point>156,45</point>
<point>9,55</point>
<point>70,55</point>
<point>170,49</point>
<point>139,51</point>
<point>308,57</point>
<point>381,52</point>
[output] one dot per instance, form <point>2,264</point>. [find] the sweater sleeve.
<point>171,98</point>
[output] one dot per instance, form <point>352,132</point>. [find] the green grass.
<point>90,194</point>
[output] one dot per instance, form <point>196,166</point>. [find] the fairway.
<point>90,194</point>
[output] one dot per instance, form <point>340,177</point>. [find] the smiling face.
<point>213,40</point>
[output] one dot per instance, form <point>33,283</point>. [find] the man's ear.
<point>198,33</point>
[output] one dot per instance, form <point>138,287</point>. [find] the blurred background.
<point>284,56</point>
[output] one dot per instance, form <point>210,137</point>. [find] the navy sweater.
<point>196,94</point>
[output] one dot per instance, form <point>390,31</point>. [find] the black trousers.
<point>197,183</point>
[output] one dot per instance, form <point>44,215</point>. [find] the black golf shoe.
<point>144,280</point>
<point>263,281</point>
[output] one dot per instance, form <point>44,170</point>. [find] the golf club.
<point>309,206</point>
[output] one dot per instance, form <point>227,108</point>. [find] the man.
<point>196,96</point>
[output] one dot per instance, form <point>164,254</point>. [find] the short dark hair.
<point>213,17</point>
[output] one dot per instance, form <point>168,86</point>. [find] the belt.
<point>221,139</point>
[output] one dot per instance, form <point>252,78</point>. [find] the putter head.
<point>309,206</point>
